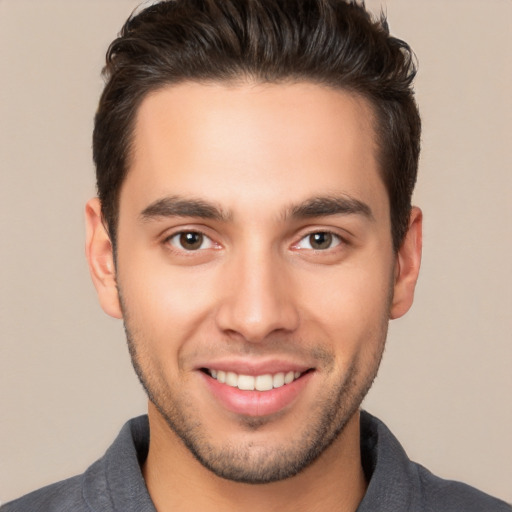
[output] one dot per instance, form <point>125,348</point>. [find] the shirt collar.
<point>115,482</point>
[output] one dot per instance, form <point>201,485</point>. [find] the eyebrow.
<point>330,205</point>
<point>175,206</point>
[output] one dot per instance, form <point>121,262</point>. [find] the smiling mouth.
<point>264,382</point>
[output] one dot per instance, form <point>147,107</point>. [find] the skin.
<point>257,170</point>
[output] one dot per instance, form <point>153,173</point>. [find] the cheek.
<point>350,303</point>
<point>167,303</point>
<point>359,290</point>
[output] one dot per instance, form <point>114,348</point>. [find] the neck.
<point>334,482</point>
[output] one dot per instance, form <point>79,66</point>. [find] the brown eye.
<point>190,241</point>
<point>320,241</point>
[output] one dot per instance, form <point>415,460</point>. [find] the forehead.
<point>253,144</point>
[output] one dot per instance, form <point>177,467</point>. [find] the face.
<point>255,269</point>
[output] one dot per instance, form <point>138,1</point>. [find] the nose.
<point>257,297</point>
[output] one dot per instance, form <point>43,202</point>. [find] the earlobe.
<point>100,257</point>
<point>408,261</point>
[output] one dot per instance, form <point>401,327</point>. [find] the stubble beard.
<point>250,463</point>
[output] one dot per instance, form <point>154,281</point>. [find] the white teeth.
<point>264,382</point>
<point>246,382</point>
<point>278,380</point>
<point>232,379</point>
<point>289,377</point>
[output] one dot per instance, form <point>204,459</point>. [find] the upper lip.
<point>255,367</point>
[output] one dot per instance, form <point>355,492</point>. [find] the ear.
<point>407,266</point>
<point>100,256</point>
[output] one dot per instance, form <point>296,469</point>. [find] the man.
<point>255,165</point>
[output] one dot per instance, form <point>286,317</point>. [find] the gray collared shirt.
<point>114,483</point>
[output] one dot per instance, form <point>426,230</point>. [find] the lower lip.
<point>256,403</point>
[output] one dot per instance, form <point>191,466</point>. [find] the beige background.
<point>66,382</point>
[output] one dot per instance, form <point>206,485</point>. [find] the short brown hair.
<point>332,42</point>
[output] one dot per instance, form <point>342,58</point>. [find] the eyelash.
<point>331,238</point>
<point>178,236</point>
<point>178,245</point>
